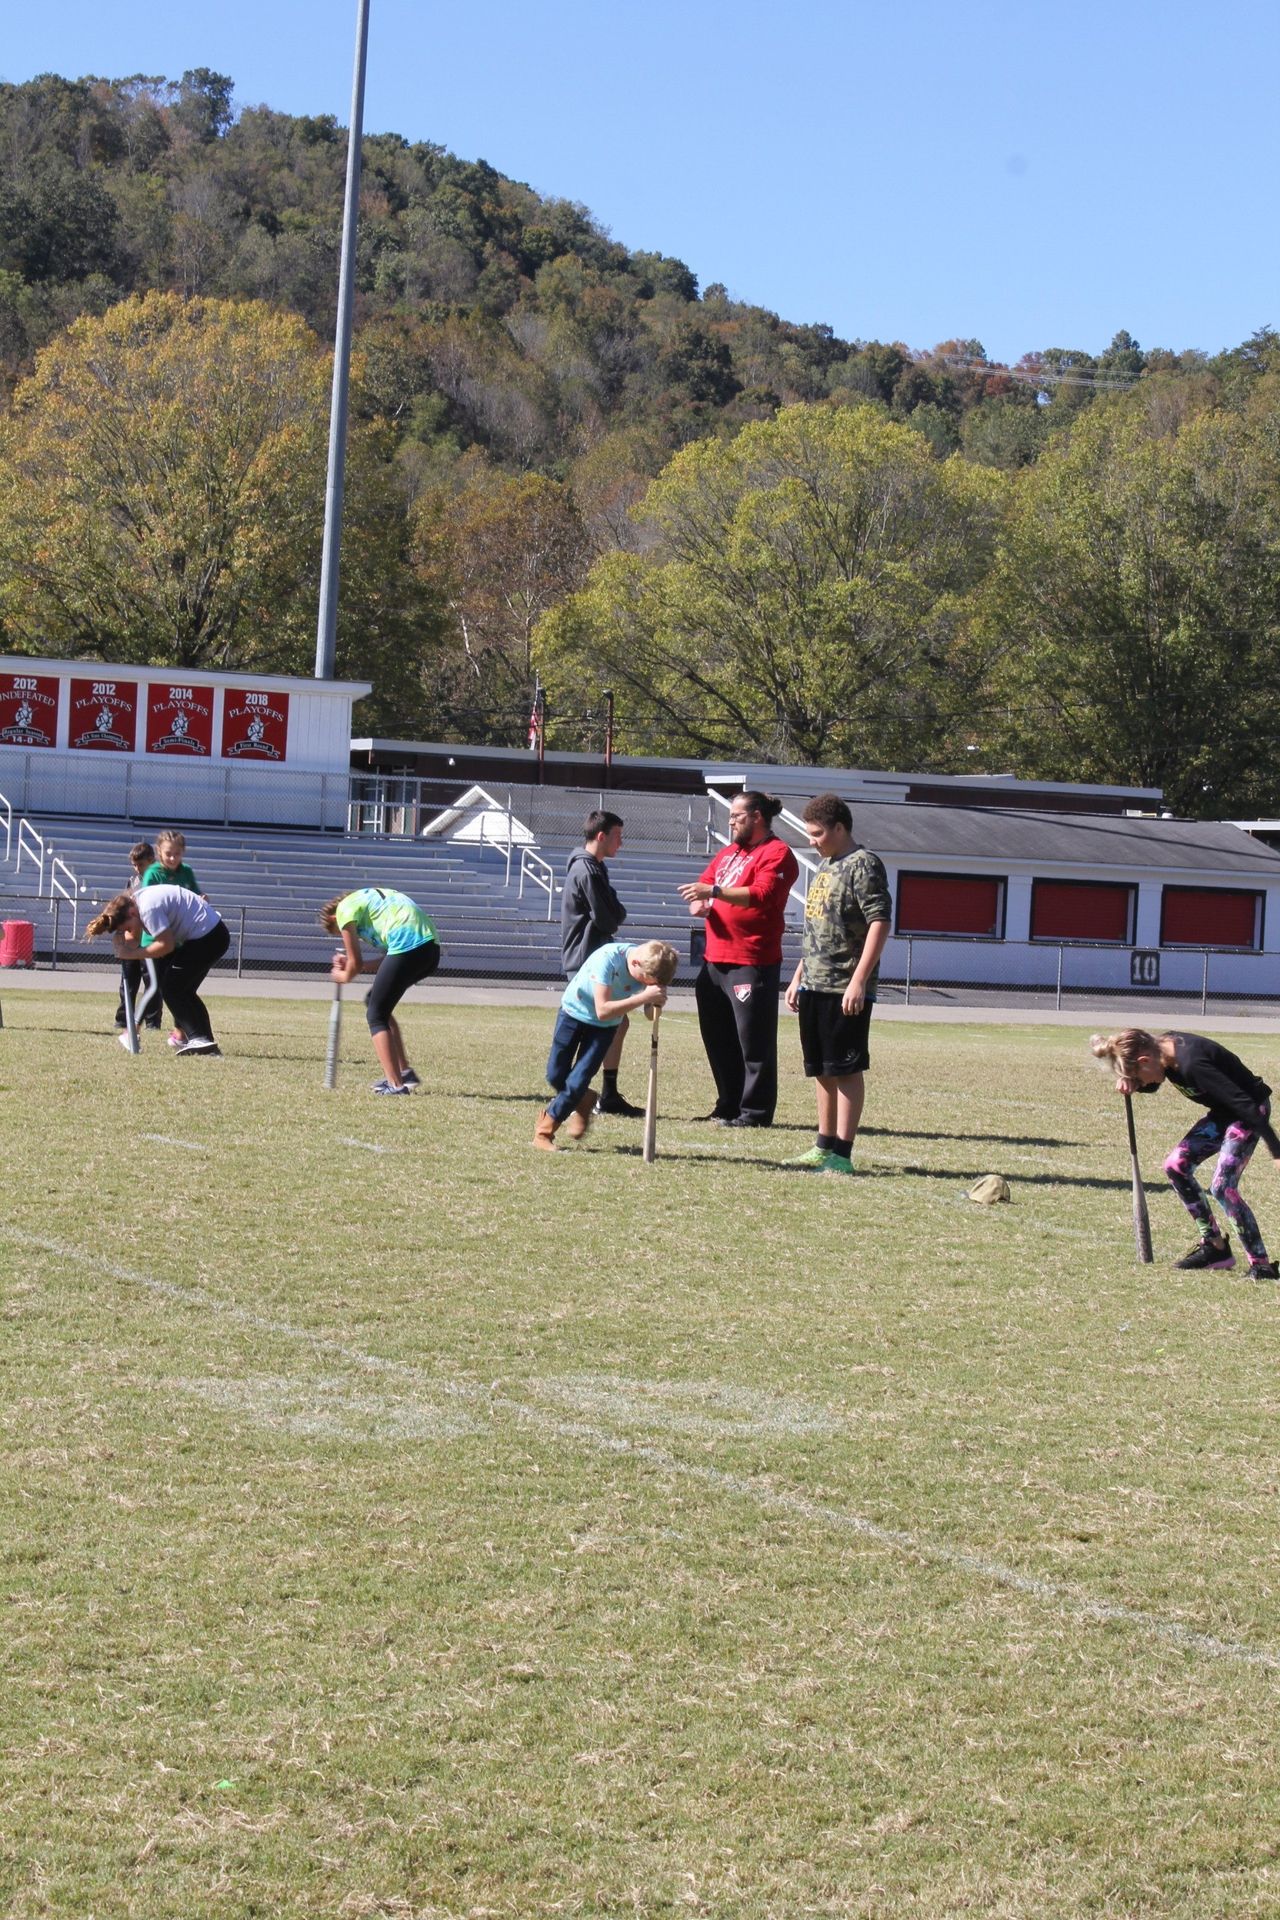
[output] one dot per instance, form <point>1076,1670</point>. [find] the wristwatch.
<point>716,891</point>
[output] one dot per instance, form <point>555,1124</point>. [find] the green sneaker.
<point>835,1163</point>
<point>816,1157</point>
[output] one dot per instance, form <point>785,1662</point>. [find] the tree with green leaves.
<point>1136,605</point>
<point>498,552</point>
<point>798,594</point>
<point>162,483</point>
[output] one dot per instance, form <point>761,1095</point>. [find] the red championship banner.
<point>179,718</point>
<point>104,714</point>
<point>255,725</point>
<point>29,709</point>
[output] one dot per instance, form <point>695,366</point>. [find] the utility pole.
<point>327,619</point>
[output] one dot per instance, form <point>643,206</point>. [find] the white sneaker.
<point>177,1040</point>
<point>199,1046</point>
<point>123,1038</point>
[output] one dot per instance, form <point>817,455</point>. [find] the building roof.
<point>911,833</point>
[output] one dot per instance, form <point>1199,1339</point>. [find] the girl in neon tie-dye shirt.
<point>410,952</point>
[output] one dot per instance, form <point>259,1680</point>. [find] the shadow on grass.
<point>996,1139</point>
<point>507,1099</point>
<point>1028,1179</point>
<point>960,1175</point>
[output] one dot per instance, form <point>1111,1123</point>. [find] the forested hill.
<point>568,462</point>
<point>491,317</point>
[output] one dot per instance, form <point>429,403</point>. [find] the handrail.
<point>8,827</point>
<point>530,863</point>
<point>25,830</point>
<point>71,893</point>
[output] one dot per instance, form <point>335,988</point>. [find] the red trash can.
<point>18,944</point>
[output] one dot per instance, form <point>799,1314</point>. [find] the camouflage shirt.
<point>845,896</point>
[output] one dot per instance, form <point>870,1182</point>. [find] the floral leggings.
<point>1234,1147</point>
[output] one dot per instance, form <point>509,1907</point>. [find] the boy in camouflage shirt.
<point>846,924</point>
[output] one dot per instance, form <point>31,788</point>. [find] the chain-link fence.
<point>396,806</point>
<point>915,971</point>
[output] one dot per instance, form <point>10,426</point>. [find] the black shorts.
<point>834,1043</point>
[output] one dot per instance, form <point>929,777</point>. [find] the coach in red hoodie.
<point>742,894</point>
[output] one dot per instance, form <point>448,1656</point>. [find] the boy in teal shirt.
<point>617,979</point>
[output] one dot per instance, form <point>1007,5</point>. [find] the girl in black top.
<point>1239,1116</point>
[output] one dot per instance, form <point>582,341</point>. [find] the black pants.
<point>738,1017</point>
<point>133,977</point>
<point>184,970</point>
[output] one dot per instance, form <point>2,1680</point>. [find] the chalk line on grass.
<point>166,1140</point>
<point>701,1407</point>
<point>366,1146</point>
<point>772,1498</point>
<point>335,1413</point>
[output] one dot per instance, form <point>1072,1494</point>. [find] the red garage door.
<point>1081,910</point>
<point>1210,917</point>
<point>950,903</point>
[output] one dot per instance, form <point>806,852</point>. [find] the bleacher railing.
<point>917,970</point>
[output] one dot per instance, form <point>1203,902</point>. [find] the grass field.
<point>397,1521</point>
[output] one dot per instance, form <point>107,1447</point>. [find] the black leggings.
<point>398,972</point>
<point>184,970</point>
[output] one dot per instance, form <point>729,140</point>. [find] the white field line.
<point>165,1140</point>
<point>366,1146</point>
<point>1064,1600</point>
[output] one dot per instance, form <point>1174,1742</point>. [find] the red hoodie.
<point>750,936</point>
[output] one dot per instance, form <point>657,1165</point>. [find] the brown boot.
<point>544,1134</point>
<point>580,1119</point>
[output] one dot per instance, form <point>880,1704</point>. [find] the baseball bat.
<point>650,1149</point>
<point>130,1017</point>
<point>335,1035</point>
<point>1141,1219</point>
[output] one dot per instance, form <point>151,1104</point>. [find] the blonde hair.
<point>170,837</point>
<point>657,960</point>
<point>113,916</point>
<point>1125,1049</point>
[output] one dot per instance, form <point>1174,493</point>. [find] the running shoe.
<point>410,1080</point>
<point>836,1163</point>
<point>385,1086</point>
<point>1215,1254</point>
<point>1264,1270</point>
<point>814,1157</point>
<point>206,1049</point>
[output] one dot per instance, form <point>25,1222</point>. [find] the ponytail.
<point>1125,1049</point>
<point>113,916</point>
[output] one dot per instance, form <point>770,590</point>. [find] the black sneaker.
<point>1215,1254</point>
<point>621,1109</point>
<point>1264,1270</point>
<point>714,1118</point>
<point>745,1120</point>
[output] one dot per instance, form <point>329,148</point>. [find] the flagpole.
<point>327,617</point>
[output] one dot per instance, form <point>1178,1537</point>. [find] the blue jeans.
<point>569,1076</point>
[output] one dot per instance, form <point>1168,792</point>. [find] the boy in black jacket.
<point>590,916</point>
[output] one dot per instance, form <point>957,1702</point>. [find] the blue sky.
<point>1026,176</point>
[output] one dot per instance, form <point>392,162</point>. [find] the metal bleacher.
<point>269,883</point>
